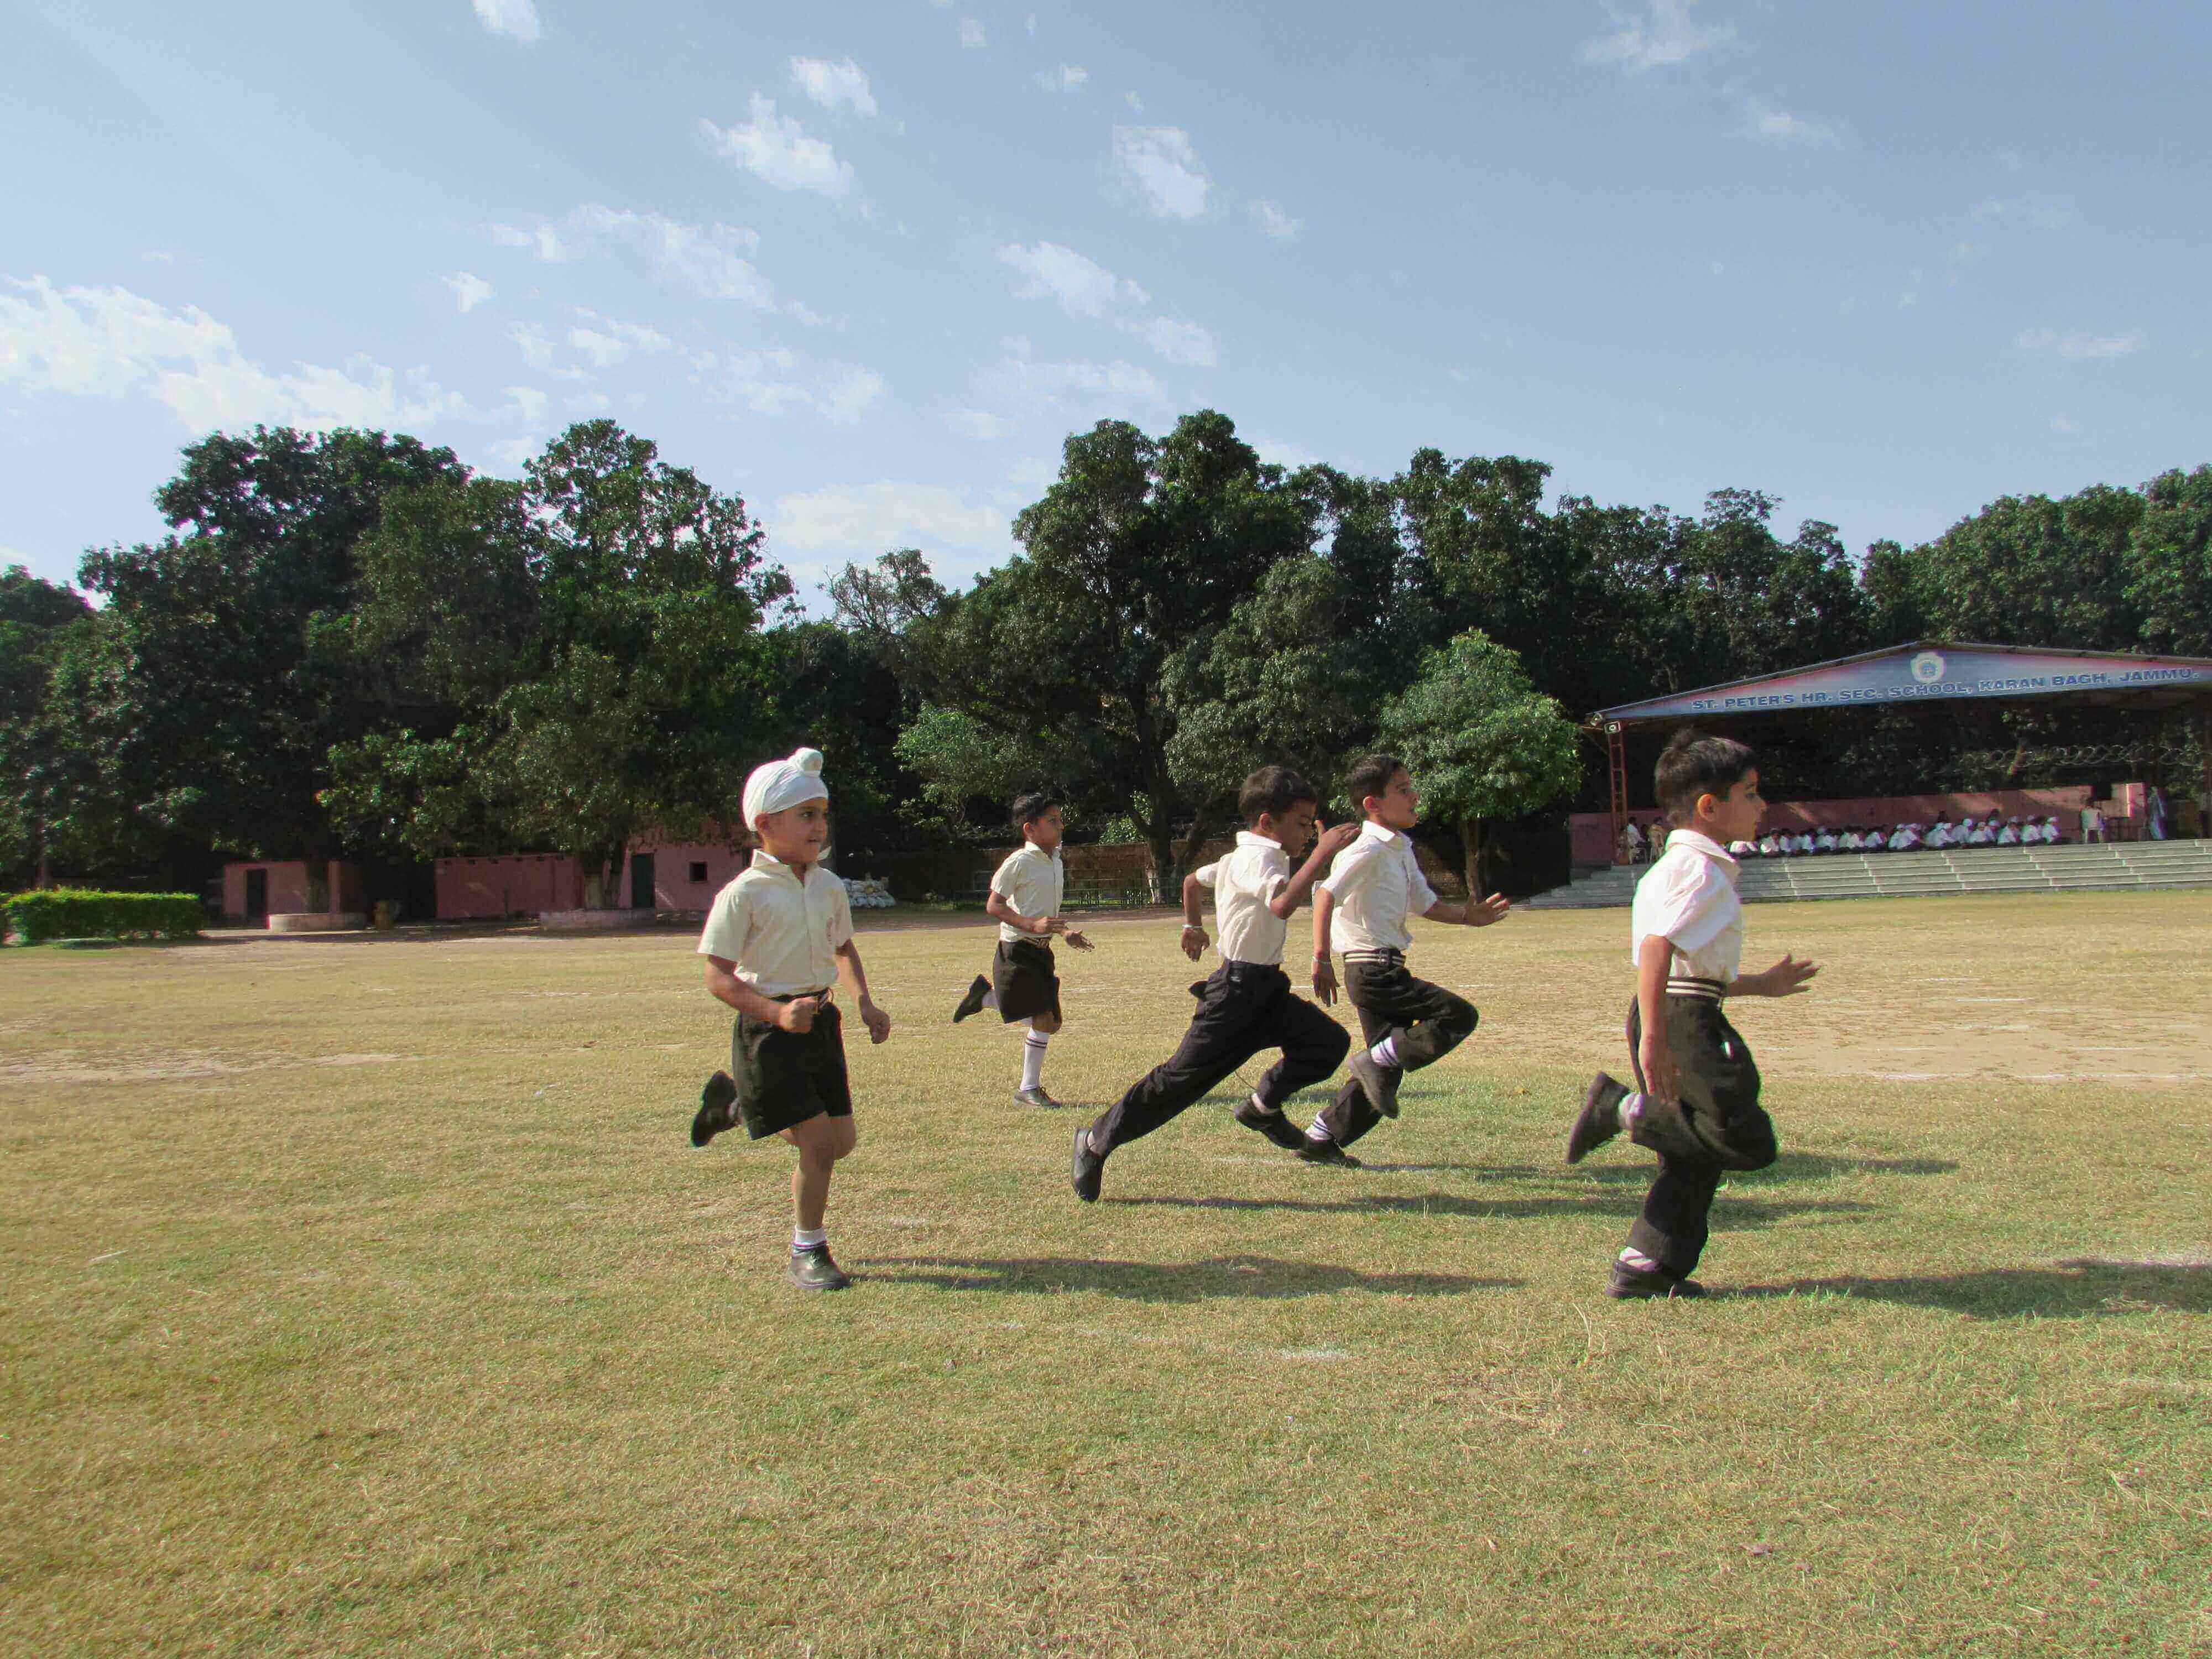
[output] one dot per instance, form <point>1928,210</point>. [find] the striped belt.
<point>1382,953</point>
<point>1683,985</point>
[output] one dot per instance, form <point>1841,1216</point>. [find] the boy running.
<point>776,937</point>
<point>1362,910</point>
<point>1026,894</point>
<point>1247,1005</point>
<point>1696,1103</point>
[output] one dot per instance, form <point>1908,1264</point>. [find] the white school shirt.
<point>1689,898</point>
<point>2009,836</point>
<point>1243,882</point>
<point>781,932</point>
<point>1376,885</point>
<point>1034,882</point>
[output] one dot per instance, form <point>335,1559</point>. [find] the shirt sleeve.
<point>1350,870</point>
<point>724,935</point>
<point>1207,875</point>
<point>1421,898</point>
<point>1689,912</point>
<point>840,915</point>
<point>1002,880</point>
<point>1274,874</point>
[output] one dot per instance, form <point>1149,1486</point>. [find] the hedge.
<point>75,913</point>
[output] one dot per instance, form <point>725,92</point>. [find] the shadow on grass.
<point>1790,1166</point>
<point>1730,1214</point>
<point>1245,1276</point>
<point>2089,1289</point>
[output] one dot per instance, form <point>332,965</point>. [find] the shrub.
<point>74,912</point>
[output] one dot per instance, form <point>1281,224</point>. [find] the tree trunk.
<point>1161,839</point>
<point>1470,846</point>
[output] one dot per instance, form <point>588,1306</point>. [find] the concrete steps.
<point>2112,866</point>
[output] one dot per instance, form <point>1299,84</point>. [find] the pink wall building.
<point>519,883</point>
<point>254,890</point>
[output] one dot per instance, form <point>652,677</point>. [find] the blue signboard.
<point>1927,673</point>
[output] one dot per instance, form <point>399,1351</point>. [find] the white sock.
<point>990,998</point>
<point>1385,1053</point>
<point>1637,1261</point>
<point>1631,1109</point>
<point>1033,1059</point>
<point>1260,1105</point>
<point>1318,1130</point>
<point>809,1238</point>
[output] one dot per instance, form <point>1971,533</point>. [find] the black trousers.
<point>1718,1126</point>
<point>1427,1021</point>
<point>1243,1008</point>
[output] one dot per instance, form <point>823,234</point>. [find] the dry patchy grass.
<point>365,1296</point>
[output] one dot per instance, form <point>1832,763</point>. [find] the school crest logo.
<point>1928,668</point>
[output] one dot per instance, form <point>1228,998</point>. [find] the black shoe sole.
<point>1334,1157</point>
<point>836,1279</point>
<point>1380,1095</point>
<point>1083,1161</point>
<point>1275,1126</point>
<point>713,1114</point>
<point>973,1002</point>
<point>1627,1285</point>
<point>1599,1121</point>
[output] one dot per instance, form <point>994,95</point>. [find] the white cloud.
<point>110,344</point>
<point>1961,254</point>
<point>469,291</point>
<point>1068,78</point>
<point>1988,210</point>
<point>1276,222</point>
<point>2082,346</point>
<point>1134,101</point>
<point>511,453</point>
<point>529,403</point>
<point>516,17</point>
<point>1179,342</point>
<point>1159,164</point>
<point>708,260</point>
<point>870,517</point>
<point>2060,423</point>
<point>542,242</point>
<point>971,32</point>
<point>1031,25</point>
<point>1768,122</point>
<point>1083,287</point>
<point>607,341</point>
<point>1091,389</point>
<point>978,423</point>
<point>535,344</point>
<point>1289,456</point>
<point>775,149</point>
<point>2051,218</point>
<point>1659,37</point>
<point>769,382</point>
<point>833,84</point>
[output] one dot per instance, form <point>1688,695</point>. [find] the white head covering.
<point>780,785</point>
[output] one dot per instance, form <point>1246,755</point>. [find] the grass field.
<point>365,1296</point>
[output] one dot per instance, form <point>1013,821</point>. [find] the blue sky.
<point>867,264</point>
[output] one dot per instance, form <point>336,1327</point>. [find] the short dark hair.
<point>1370,775</point>
<point>1028,809</point>
<point>1273,790</point>
<point>1694,763</point>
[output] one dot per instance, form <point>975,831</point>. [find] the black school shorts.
<point>785,1077</point>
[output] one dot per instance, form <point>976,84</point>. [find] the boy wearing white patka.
<point>776,939</point>
<point>1696,1103</point>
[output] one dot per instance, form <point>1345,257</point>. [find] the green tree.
<point>1481,742</point>
<point>2169,563</point>
<point>37,620</point>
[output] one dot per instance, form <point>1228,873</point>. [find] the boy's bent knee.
<point>1460,1017</point>
<point>1044,1025</point>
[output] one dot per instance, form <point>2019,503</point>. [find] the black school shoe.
<point>1636,1284</point>
<point>812,1269</point>
<point>1326,1153</point>
<point>1379,1084</point>
<point>715,1114</point>
<point>1086,1169</point>
<point>1599,1121</point>
<point>1273,1124</point>
<point>1037,1099</point>
<point>973,1002</point>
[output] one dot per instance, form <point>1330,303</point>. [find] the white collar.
<point>1372,830</point>
<point>1699,842</point>
<point>1029,846</point>
<point>1246,838</point>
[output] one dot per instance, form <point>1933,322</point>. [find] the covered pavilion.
<point>1924,672</point>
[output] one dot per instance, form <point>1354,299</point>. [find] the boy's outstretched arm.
<point>856,978</point>
<point>1475,912</point>
<point>1326,845</point>
<point>1655,955</point>
<point>1786,978</point>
